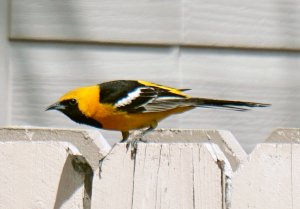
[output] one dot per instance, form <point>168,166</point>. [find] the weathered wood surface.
<point>41,73</point>
<point>234,23</point>
<point>161,176</point>
<point>284,135</point>
<point>89,143</point>
<point>270,177</point>
<point>229,145</point>
<point>38,175</point>
<point>38,171</point>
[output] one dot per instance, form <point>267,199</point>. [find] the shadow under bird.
<point>125,105</point>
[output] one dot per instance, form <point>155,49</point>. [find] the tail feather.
<point>241,109</point>
<point>227,104</point>
<point>167,104</point>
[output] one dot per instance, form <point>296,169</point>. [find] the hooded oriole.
<point>125,105</point>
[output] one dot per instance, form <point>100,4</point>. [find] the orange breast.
<point>122,121</point>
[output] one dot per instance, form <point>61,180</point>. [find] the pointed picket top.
<point>270,173</point>
<point>90,143</point>
<point>224,139</point>
<point>284,135</point>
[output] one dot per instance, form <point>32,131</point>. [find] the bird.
<point>126,105</point>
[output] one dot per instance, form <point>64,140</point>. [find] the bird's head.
<point>79,105</point>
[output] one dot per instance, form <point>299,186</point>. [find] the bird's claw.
<point>133,144</point>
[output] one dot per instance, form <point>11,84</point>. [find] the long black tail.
<point>227,104</point>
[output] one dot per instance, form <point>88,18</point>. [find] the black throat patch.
<point>73,112</point>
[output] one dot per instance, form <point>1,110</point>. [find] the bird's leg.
<point>139,138</point>
<point>125,135</point>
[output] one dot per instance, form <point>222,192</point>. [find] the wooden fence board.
<point>38,171</point>
<point>38,175</point>
<point>268,179</point>
<point>113,187</point>
<point>161,176</point>
<point>89,143</point>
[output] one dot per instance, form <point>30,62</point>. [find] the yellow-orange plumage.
<point>126,122</point>
<point>125,105</point>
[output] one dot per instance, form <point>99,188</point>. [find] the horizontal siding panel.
<point>4,80</point>
<point>92,20</point>
<point>41,73</point>
<point>234,23</point>
<point>258,24</point>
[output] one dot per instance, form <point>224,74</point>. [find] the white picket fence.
<point>186,169</point>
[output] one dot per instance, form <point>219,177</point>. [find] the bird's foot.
<point>133,143</point>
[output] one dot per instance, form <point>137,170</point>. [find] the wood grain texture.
<point>89,143</point>
<point>285,135</point>
<point>32,179</point>
<point>295,180</point>
<point>161,176</point>
<point>270,174</point>
<point>4,78</point>
<point>41,73</point>
<point>267,24</point>
<point>290,136</point>
<point>115,187</point>
<point>226,142</point>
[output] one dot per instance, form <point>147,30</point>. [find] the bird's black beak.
<point>56,106</point>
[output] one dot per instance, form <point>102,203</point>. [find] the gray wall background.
<point>246,50</point>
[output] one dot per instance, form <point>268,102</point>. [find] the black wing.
<point>135,97</point>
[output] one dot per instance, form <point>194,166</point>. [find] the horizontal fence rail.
<point>56,168</point>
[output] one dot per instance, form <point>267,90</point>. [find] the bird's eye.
<point>73,102</point>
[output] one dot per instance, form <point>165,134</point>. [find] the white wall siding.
<point>92,20</point>
<point>4,74</point>
<point>251,24</point>
<point>248,23</point>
